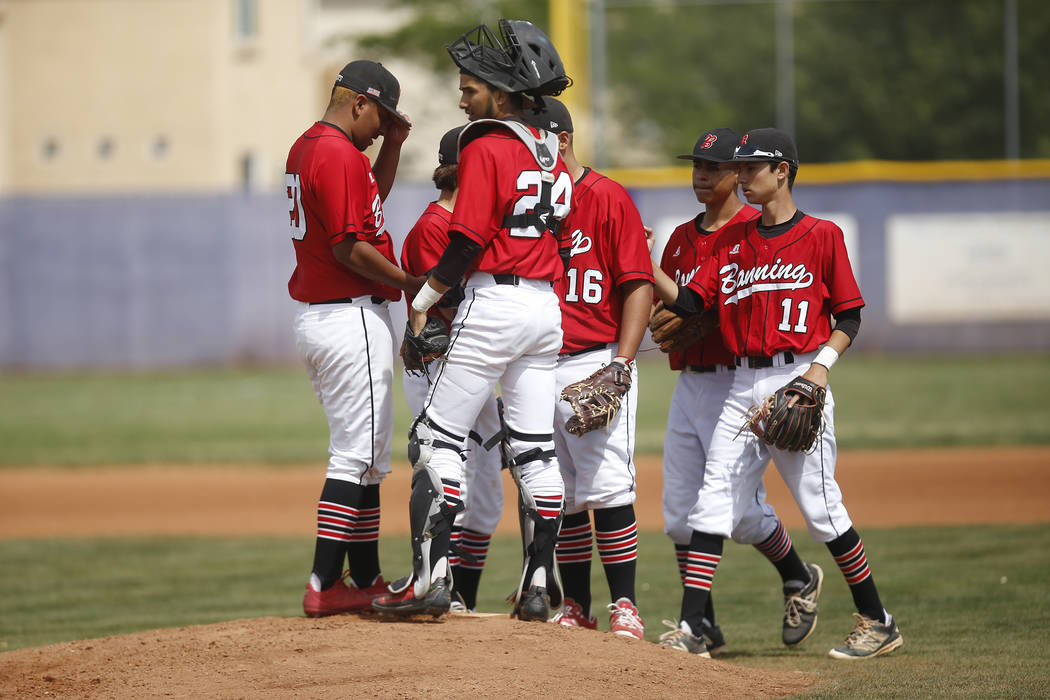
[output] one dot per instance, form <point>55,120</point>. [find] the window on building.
<point>106,148</point>
<point>159,147</point>
<point>251,173</point>
<point>246,19</point>
<point>50,149</point>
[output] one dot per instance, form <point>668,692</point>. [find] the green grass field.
<point>972,602</point>
<point>271,415</point>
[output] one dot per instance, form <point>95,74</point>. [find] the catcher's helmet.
<point>524,61</point>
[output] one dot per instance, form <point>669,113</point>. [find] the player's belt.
<point>592,348</point>
<point>512,279</point>
<point>762,362</point>
<point>348,300</point>
<point>707,369</point>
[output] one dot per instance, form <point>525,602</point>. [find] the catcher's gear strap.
<point>545,151</point>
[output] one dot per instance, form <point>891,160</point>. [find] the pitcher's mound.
<point>349,656</point>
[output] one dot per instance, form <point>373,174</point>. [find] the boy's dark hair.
<point>445,177</point>
<point>792,171</point>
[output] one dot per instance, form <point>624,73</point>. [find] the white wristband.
<point>426,297</point>
<point>826,357</point>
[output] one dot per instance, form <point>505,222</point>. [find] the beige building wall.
<point>116,96</point>
<point>152,95</point>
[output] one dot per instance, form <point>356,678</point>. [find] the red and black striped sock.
<point>780,551</point>
<point>363,549</point>
<point>705,552</point>
<point>616,534</point>
<point>681,553</point>
<point>336,512</point>
<point>575,543</point>
<point>467,574</point>
<point>848,550</point>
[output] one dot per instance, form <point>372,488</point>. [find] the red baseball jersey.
<point>779,293</point>
<point>424,245</point>
<point>688,246</point>
<point>608,249</point>
<point>332,196</point>
<point>499,177</point>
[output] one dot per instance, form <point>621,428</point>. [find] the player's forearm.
<point>365,260</point>
<point>634,317</point>
<point>836,345</point>
<point>385,167</point>
<point>666,288</point>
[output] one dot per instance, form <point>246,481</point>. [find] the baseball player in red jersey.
<point>702,388</point>
<point>514,191</point>
<point>345,276</point>
<point>605,297</point>
<point>778,282</point>
<point>482,488</point>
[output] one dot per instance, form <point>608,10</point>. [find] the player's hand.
<point>396,131</point>
<point>818,374</point>
<point>416,320</point>
<point>650,239</point>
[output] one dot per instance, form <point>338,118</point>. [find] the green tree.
<point>882,79</point>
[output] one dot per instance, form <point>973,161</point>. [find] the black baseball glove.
<point>791,418</point>
<point>417,350</point>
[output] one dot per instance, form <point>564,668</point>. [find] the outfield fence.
<point>165,281</point>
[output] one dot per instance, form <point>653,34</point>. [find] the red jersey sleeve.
<point>843,291</point>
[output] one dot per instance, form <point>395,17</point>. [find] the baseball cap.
<point>372,80</point>
<point>448,148</point>
<point>768,144</point>
<point>553,116</point>
<point>716,146</point>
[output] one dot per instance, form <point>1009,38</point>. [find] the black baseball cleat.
<point>534,605</point>
<point>436,602</point>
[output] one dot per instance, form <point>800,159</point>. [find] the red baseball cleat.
<point>341,598</point>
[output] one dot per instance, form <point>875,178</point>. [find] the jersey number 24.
<point>556,195</point>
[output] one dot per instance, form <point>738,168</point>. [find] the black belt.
<point>705,369</point>
<point>347,300</point>
<point>761,362</point>
<point>599,346</point>
<point>514,279</point>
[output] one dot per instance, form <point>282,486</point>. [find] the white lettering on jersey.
<point>580,243</point>
<point>735,250</point>
<point>739,284</point>
<point>684,278</point>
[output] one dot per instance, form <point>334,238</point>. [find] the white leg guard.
<point>430,516</point>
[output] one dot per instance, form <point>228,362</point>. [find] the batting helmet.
<point>524,61</point>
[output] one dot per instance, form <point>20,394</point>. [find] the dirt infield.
<point>882,489</point>
<point>480,656</point>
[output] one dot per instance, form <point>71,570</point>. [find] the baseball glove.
<point>417,350</point>
<point>790,418</point>
<point>596,399</point>
<point>674,333</point>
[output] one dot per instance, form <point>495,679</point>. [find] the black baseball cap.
<point>448,149</point>
<point>375,82</point>
<point>716,146</point>
<point>553,116</point>
<point>768,144</point>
